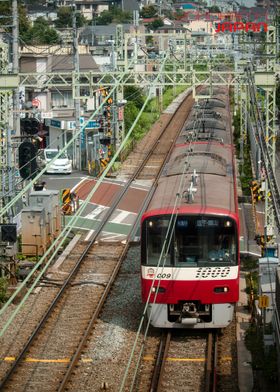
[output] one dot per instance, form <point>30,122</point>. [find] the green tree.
<point>134,94</point>
<point>278,94</point>
<point>65,18</point>
<point>148,11</point>
<point>179,13</point>
<point>214,9</point>
<point>3,290</point>
<point>130,113</point>
<point>6,13</point>
<point>105,18</point>
<point>156,24</point>
<point>41,33</point>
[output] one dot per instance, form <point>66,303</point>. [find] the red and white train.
<point>190,231</point>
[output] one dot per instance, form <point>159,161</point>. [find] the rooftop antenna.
<point>194,177</point>
<point>190,194</point>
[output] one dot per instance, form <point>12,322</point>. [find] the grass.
<point>265,360</point>
<point>3,290</point>
<point>150,116</point>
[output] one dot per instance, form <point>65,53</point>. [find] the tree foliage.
<point>6,20</point>
<point>115,14</point>
<point>214,9</point>
<point>3,290</point>
<point>156,24</point>
<point>134,94</point>
<point>105,18</point>
<point>278,94</point>
<point>38,34</point>
<point>148,11</point>
<point>65,18</point>
<point>41,33</point>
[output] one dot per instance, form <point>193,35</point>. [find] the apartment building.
<point>55,106</point>
<point>88,8</point>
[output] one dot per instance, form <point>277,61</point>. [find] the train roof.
<point>205,149</point>
<point>212,192</point>
<point>203,157</point>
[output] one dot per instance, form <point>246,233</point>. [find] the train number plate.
<point>212,272</point>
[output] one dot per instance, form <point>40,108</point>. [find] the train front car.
<point>190,234</point>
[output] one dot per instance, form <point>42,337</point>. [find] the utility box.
<point>48,199</point>
<point>34,235</point>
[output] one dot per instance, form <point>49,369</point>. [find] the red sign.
<point>120,114</point>
<point>239,26</point>
<point>36,102</point>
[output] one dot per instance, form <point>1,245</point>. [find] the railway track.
<point>72,306</point>
<point>183,362</point>
<point>159,142</point>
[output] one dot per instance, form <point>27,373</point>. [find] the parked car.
<point>62,165</point>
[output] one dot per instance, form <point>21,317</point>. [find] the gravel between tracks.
<point>109,348</point>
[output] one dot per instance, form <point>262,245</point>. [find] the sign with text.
<point>240,26</point>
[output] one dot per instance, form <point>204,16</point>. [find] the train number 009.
<point>163,276</point>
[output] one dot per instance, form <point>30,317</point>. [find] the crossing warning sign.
<point>263,301</point>
<point>66,196</point>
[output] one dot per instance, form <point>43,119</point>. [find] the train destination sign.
<point>240,26</point>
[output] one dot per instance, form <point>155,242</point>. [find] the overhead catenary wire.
<point>159,267</point>
<point>53,249</point>
<point>268,166</point>
<point>52,144</point>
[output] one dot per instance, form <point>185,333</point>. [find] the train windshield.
<point>158,247</point>
<point>193,241</point>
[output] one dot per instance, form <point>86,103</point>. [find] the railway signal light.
<point>261,195</point>
<point>8,232</point>
<point>30,125</point>
<point>105,141</point>
<point>27,160</point>
<point>262,240</point>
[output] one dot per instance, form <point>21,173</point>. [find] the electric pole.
<point>77,148</point>
<point>16,117</point>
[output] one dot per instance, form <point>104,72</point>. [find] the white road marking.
<point>116,236</point>
<point>79,183</point>
<point>120,217</point>
<point>96,212</point>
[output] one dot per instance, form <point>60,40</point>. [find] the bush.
<point>3,290</point>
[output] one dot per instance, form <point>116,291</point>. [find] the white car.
<point>61,165</point>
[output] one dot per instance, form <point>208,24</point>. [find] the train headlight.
<point>221,289</point>
<point>228,223</point>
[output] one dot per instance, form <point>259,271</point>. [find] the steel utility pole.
<point>77,151</point>
<point>16,117</point>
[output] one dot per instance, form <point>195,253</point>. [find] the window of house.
<point>62,99</point>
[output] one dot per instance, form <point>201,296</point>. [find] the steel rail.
<point>76,356</point>
<point>211,362</point>
<point>160,361</point>
<point>99,229</point>
<point>215,362</point>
